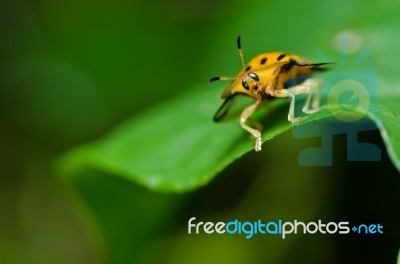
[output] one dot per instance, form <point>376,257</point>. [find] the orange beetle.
<point>273,74</point>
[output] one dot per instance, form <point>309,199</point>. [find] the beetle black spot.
<point>248,68</point>
<point>254,76</point>
<point>263,61</point>
<point>245,85</point>
<point>281,57</point>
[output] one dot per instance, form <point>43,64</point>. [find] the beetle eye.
<point>254,76</point>
<point>245,85</point>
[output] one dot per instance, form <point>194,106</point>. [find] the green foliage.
<point>73,70</point>
<point>175,146</point>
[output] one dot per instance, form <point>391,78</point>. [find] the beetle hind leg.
<point>305,87</point>
<point>247,112</point>
<point>312,107</point>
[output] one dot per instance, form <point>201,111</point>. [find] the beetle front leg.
<point>247,112</point>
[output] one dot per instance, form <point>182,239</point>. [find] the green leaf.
<point>177,147</point>
<point>389,124</point>
<point>398,258</point>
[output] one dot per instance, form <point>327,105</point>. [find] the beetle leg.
<point>287,93</point>
<point>305,87</point>
<point>247,112</point>
<point>309,108</point>
<point>317,98</point>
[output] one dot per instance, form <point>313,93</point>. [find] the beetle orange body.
<point>274,74</point>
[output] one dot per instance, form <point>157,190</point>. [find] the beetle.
<point>269,75</point>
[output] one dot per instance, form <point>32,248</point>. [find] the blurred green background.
<point>72,70</point>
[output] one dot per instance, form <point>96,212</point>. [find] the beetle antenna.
<point>223,78</point>
<point>239,46</point>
